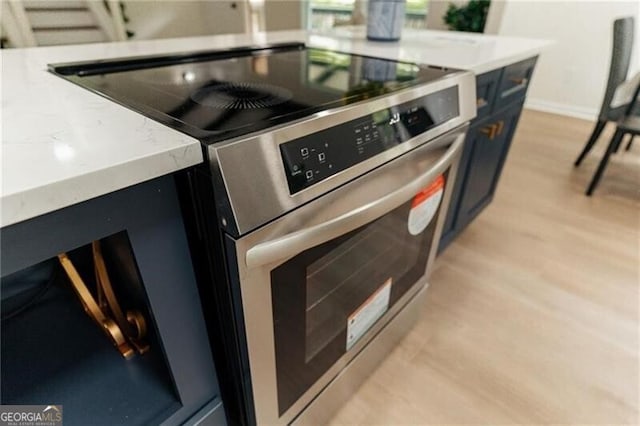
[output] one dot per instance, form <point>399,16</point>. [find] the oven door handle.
<point>299,241</point>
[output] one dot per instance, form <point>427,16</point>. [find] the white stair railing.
<point>29,23</point>
<point>18,16</point>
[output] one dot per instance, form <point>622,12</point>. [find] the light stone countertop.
<point>62,144</point>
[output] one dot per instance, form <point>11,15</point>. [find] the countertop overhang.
<point>62,144</point>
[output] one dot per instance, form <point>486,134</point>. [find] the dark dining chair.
<point>629,124</point>
<point>623,34</point>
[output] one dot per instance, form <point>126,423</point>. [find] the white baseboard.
<point>563,109</point>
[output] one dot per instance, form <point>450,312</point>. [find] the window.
<point>330,13</point>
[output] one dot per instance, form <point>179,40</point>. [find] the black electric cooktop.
<point>217,95</point>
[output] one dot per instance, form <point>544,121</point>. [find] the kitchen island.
<point>79,168</point>
<point>62,144</point>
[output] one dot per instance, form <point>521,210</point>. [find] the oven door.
<point>319,283</point>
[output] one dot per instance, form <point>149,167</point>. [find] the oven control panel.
<point>316,157</point>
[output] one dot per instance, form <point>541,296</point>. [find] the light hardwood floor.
<point>532,313</point>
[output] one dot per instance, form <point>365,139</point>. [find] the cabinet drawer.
<point>486,89</point>
<point>514,82</point>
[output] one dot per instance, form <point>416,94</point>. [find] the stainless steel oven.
<point>331,271</point>
<point>318,284</point>
<point>316,216</point>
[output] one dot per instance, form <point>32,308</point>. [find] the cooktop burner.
<point>217,95</point>
<point>242,95</point>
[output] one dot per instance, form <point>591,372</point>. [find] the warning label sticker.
<point>424,206</point>
<point>368,313</point>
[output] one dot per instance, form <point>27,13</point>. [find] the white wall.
<point>184,18</point>
<point>436,10</point>
<point>284,14</point>
<point>494,17</point>
<point>571,76</point>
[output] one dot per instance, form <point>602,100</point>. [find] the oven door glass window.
<point>326,298</point>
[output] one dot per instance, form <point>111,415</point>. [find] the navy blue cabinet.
<point>514,82</point>
<point>486,90</point>
<point>500,97</point>
<point>489,143</point>
<point>53,352</point>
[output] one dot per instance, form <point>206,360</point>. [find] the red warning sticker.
<point>424,206</point>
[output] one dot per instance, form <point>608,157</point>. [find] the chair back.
<point>623,34</point>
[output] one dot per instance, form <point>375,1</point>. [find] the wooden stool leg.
<point>615,141</point>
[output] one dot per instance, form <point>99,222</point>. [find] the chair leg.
<point>618,143</point>
<point>617,147</point>
<point>597,130</point>
<point>615,141</point>
<point>629,143</point>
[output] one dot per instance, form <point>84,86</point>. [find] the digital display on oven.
<point>315,157</point>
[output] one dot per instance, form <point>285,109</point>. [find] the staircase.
<point>27,23</point>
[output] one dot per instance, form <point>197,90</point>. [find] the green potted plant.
<point>470,17</point>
